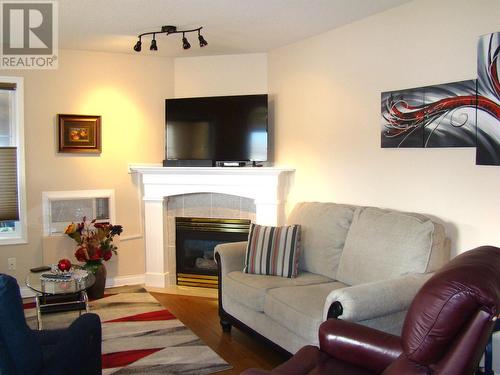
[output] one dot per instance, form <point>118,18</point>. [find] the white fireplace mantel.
<point>267,186</point>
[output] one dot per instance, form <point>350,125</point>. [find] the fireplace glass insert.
<point>195,240</point>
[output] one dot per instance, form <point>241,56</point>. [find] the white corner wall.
<point>220,75</point>
<point>326,97</point>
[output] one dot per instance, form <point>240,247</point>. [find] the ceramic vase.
<point>98,269</point>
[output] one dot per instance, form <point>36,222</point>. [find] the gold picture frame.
<point>79,134</point>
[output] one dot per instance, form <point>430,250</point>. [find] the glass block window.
<point>63,208</point>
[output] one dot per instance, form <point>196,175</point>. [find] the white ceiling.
<point>229,26</point>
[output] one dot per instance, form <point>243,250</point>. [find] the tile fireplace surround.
<point>266,186</point>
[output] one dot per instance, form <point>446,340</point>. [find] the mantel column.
<point>157,274</point>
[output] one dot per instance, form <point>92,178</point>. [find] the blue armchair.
<point>23,351</point>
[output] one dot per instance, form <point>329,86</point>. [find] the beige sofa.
<point>362,264</point>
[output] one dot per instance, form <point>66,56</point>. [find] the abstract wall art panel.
<point>451,115</point>
<point>433,116</point>
<point>399,127</point>
<point>488,100</point>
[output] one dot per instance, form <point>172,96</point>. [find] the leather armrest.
<point>358,344</point>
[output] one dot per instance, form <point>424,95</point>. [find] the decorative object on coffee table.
<point>64,265</point>
<point>79,134</point>
<point>94,244</point>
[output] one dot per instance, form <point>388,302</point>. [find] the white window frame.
<point>20,235</point>
<point>48,196</point>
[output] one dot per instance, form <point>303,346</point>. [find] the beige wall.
<point>128,91</point>
<point>326,93</point>
<point>221,75</point>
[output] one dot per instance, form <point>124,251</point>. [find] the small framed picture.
<point>79,134</point>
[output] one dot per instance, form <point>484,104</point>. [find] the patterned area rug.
<point>140,337</point>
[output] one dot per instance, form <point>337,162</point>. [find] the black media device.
<point>215,131</point>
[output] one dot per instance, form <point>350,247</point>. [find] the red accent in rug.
<point>121,359</point>
<point>29,305</point>
<point>145,317</point>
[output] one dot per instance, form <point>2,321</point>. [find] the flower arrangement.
<point>94,241</point>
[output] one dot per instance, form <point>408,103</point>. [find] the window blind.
<point>9,203</point>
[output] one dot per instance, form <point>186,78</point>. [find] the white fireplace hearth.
<point>266,186</point>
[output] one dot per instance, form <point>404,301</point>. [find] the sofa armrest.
<point>231,256</point>
<point>376,299</point>
<point>358,344</point>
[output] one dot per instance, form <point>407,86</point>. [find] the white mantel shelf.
<point>267,186</point>
<point>158,169</point>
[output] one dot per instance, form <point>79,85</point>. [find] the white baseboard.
<point>125,280</point>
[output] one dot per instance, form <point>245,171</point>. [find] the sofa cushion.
<point>300,309</point>
<point>250,290</point>
<point>273,250</point>
<point>324,229</point>
<point>383,244</point>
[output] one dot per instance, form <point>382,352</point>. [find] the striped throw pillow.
<point>273,250</point>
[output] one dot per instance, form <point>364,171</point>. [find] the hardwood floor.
<point>239,349</point>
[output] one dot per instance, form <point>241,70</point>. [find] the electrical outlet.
<point>12,263</point>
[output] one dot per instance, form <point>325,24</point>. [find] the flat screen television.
<point>220,128</point>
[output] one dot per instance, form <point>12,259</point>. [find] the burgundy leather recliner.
<point>445,331</point>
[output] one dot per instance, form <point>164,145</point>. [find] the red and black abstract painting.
<point>433,116</point>
<point>458,114</point>
<point>488,100</point>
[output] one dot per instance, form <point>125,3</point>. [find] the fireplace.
<point>267,187</point>
<point>195,240</point>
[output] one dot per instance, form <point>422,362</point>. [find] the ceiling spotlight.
<point>202,40</point>
<point>153,46</point>
<point>137,47</point>
<point>170,30</point>
<point>185,43</point>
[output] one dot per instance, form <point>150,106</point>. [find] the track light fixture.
<point>202,40</point>
<point>153,46</point>
<point>185,43</point>
<point>137,47</point>
<point>170,30</point>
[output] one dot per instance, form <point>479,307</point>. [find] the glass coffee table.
<point>54,295</point>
